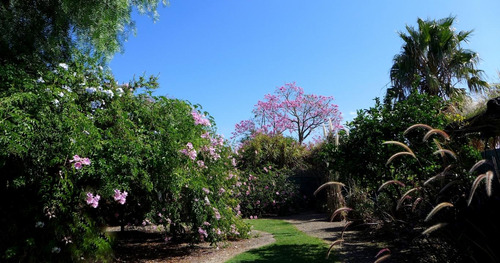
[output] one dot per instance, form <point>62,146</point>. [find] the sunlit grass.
<point>291,245</point>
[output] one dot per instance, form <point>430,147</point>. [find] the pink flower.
<point>221,191</point>
<point>217,214</point>
<point>202,231</point>
<point>205,190</point>
<point>76,158</point>
<point>255,217</point>
<point>93,200</point>
<point>206,223</point>
<point>199,119</point>
<point>251,217</point>
<point>120,197</point>
<point>86,161</point>
<point>78,165</point>
<point>201,164</point>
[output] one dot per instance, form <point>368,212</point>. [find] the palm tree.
<point>432,61</point>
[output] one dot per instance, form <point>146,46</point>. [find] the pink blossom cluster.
<point>201,164</point>
<point>202,232</point>
<point>189,151</point>
<point>120,197</point>
<point>216,213</point>
<point>289,109</point>
<point>199,119</point>
<point>78,161</point>
<point>253,217</point>
<point>93,200</point>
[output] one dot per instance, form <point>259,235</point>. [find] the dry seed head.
<point>436,131</point>
<point>382,251</point>
<point>489,181</point>
<point>477,165</point>
<point>400,144</point>
<point>390,182</point>
<point>433,228</point>
<point>417,201</point>
<point>399,154</point>
<point>474,186</point>
<point>425,126</point>
<point>438,176</point>
<point>338,211</point>
<point>436,209</point>
<point>336,242</point>
<point>382,258</point>
<point>321,187</point>
<point>442,151</point>
<point>401,200</point>
<point>343,230</point>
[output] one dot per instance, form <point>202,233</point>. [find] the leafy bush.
<point>80,152</point>
<point>269,192</point>
<point>277,151</point>
<point>360,155</point>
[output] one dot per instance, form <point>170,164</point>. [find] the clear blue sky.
<point>226,54</point>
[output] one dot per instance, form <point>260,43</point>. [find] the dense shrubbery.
<point>79,151</point>
<point>269,192</point>
<point>267,164</point>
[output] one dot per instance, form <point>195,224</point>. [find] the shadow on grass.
<point>285,253</point>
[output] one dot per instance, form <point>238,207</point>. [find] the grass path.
<point>291,245</point>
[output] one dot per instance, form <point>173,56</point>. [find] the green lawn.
<point>291,245</point>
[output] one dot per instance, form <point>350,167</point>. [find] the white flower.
<point>56,250</point>
<point>90,90</point>
<point>39,224</point>
<point>67,88</point>
<point>109,93</point>
<point>119,91</point>
<point>61,94</point>
<point>64,66</point>
<point>40,80</point>
<point>95,104</point>
<point>56,102</point>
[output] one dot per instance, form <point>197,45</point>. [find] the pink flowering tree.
<point>290,109</point>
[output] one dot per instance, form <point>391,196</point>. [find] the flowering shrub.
<point>147,159</point>
<point>269,192</point>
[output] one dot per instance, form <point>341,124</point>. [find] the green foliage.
<point>268,165</point>
<point>278,151</point>
<point>362,157</point>
<point>134,143</point>
<point>269,192</point>
<point>40,32</point>
<point>432,61</point>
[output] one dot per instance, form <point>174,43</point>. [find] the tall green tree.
<point>44,32</point>
<point>433,61</point>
